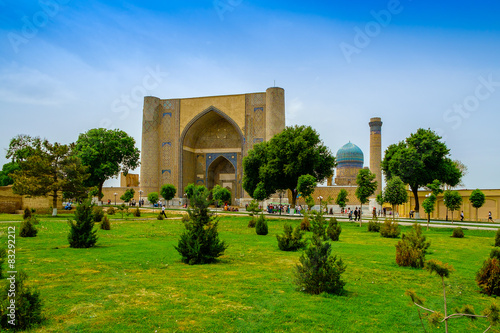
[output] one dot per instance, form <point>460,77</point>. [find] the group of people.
<point>356,212</point>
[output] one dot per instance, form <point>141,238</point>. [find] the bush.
<point>137,212</point>
<point>111,211</point>
<point>261,226</point>
<point>305,225</point>
<point>185,218</point>
<point>27,213</point>
<point>27,228</point>
<point>334,229</point>
<point>97,214</point>
<point>411,249</point>
<point>389,229</point>
<point>497,238</point>
<point>200,243</point>
<point>251,223</point>
<point>3,255</point>
<point>458,233</point>
<point>81,233</point>
<point>318,271</point>
<point>28,305</point>
<point>291,240</point>
<point>495,253</point>
<point>373,226</point>
<point>488,277</point>
<point>319,225</point>
<point>160,217</point>
<point>105,223</point>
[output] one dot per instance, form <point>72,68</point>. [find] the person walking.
<point>490,218</point>
<point>462,216</point>
<point>163,211</point>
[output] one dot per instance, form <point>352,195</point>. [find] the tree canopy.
<point>221,194</point>
<point>46,168</point>
<point>452,201</point>
<point>277,164</point>
<point>477,199</point>
<point>419,160</point>
<point>106,153</point>
<point>168,191</point>
<point>367,185</point>
<point>306,185</point>
<point>395,193</point>
<point>5,174</point>
<point>342,199</point>
<point>128,195</point>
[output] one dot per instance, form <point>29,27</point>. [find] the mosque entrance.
<point>211,152</point>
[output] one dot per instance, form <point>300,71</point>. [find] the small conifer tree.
<point>27,228</point>
<point>200,243</point>
<point>411,249</point>
<point>82,233</point>
<point>319,225</point>
<point>291,239</point>
<point>27,213</point>
<point>261,226</point>
<point>105,223</point>
<point>334,229</point>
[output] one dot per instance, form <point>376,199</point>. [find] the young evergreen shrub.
<point>200,243</point>
<point>111,211</point>
<point>185,218</point>
<point>458,233</point>
<point>137,212</point>
<point>105,223</point>
<point>488,277</point>
<point>291,239</point>
<point>411,249</point>
<point>389,229</point>
<point>318,225</point>
<point>82,233</point>
<point>28,305</point>
<point>261,226</point>
<point>305,225</point>
<point>334,229</point>
<point>27,213</point>
<point>251,223</point>
<point>3,255</point>
<point>160,217</point>
<point>497,238</point>
<point>97,214</point>
<point>373,226</point>
<point>27,228</point>
<point>319,272</point>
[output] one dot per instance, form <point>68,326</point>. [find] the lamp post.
<point>115,198</point>
<point>140,196</point>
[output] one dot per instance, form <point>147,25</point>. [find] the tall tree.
<point>367,185</point>
<point>419,160</point>
<point>106,153</point>
<point>47,169</point>
<point>428,205</point>
<point>477,199</point>
<point>395,193</point>
<point>342,199</point>
<point>168,191</point>
<point>452,201</point>
<point>279,163</point>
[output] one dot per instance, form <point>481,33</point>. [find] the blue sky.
<point>67,66</point>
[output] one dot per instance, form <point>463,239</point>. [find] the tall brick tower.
<point>376,150</point>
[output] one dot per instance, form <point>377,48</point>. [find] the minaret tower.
<point>376,151</point>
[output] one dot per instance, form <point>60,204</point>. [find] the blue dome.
<point>350,153</point>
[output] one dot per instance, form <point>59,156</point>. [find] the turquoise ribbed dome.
<point>350,153</point>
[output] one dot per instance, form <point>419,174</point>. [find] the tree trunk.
<point>428,220</point>
<point>451,217</point>
<point>359,215</point>
<point>415,195</point>
<point>54,203</point>
<point>100,194</point>
<point>294,198</point>
<point>393,212</point>
<point>476,213</point>
<point>445,309</point>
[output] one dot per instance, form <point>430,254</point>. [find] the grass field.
<point>134,281</point>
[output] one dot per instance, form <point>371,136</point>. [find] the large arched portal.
<point>211,147</point>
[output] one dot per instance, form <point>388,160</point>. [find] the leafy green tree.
<point>106,153</point>
<point>168,191</point>
<point>367,185</point>
<point>380,199</point>
<point>306,185</point>
<point>221,194</point>
<point>46,169</point>
<point>191,189</point>
<point>452,201</point>
<point>419,160</point>
<point>278,163</point>
<point>342,199</point>
<point>200,243</point>
<point>477,199</point>
<point>82,233</point>
<point>395,193</point>
<point>153,197</point>
<point>260,194</point>
<point>128,195</point>
<point>428,205</point>
<point>5,174</point>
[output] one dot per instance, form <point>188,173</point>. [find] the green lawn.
<point>134,281</point>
